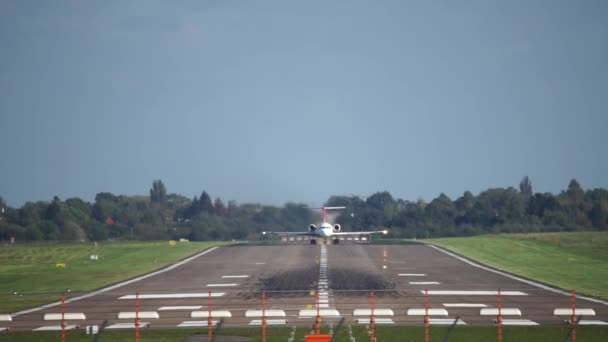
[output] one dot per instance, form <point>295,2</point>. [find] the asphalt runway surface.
<point>334,280</point>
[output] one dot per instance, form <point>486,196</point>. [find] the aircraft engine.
<point>312,227</point>
<point>337,227</point>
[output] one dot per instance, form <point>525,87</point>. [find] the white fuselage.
<point>325,230</point>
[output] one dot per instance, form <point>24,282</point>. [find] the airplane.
<point>326,231</point>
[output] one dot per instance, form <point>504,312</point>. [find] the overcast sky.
<point>275,101</point>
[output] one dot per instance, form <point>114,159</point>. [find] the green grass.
<point>384,334</point>
<point>31,268</point>
<point>567,260</point>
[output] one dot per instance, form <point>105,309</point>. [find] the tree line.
<point>162,215</point>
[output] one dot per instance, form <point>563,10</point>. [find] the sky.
<point>277,101</point>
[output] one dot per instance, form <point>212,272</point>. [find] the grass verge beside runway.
<point>32,268</point>
<point>567,260</point>
<point>384,334</point>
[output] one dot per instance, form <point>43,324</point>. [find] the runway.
<point>301,280</point>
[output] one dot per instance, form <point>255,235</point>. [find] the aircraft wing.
<point>361,233</point>
<point>292,233</point>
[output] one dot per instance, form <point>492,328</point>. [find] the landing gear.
<point>313,241</point>
<point>336,241</point>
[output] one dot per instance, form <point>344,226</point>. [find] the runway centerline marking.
<point>235,276</point>
<point>411,275</point>
<point>424,283</point>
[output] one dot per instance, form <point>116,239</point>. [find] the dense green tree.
<point>525,187</point>
<point>158,193</point>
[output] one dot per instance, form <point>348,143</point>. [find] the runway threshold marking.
<point>473,293</point>
<point>257,322</point>
<point>322,312</point>
<point>430,312</point>
<point>54,328</point>
<point>174,295</point>
<point>445,321</point>
<point>377,312</point>
<point>140,314</point>
<point>127,325</point>
<point>376,321</point>
<point>577,312</point>
<point>73,316</point>
<point>591,322</point>
<point>109,288</point>
<point>503,311</point>
<point>510,276</point>
<point>269,313</point>
<point>192,324</point>
<point>464,305</point>
<point>214,314</point>
<point>523,322</point>
<point>179,308</point>
<point>222,285</point>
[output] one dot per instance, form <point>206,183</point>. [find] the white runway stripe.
<point>423,312</point>
<point>503,312</point>
<point>591,322</point>
<point>322,312</point>
<point>193,324</point>
<point>5,318</point>
<point>445,321</point>
<point>524,322</point>
<point>269,313</point>
<point>411,275</point>
<point>376,321</point>
<point>73,316</point>
<point>235,276</point>
<point>464,305</point>
<point>127,325</point>
<point>178,308</point>
<point>424,283</point>
<point>222,285</point>
<point>174,295</point>
<point>258,322</point>
<point>377,312</point>
<point>54,328</point>
<point>577,312</point>
<point>473,293</point>
<point>141,314</point>
<point>214,314</point>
